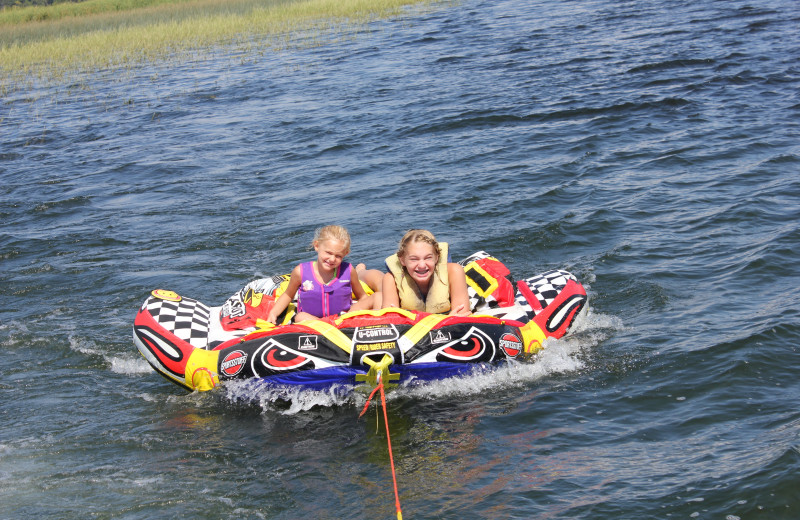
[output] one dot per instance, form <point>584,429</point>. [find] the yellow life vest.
<point>438,299</point>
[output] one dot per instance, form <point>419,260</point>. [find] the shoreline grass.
<point>118,34</point>
<point>39,13</point>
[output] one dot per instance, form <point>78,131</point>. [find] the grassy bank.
<point>53,41</point>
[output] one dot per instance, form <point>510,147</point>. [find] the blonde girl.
<point>325,286</point>
<point>421,279</point>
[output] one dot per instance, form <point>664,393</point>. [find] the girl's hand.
<point>461,310</point>
<point>459,296</point>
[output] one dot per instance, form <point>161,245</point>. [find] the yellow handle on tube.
<point>532,337</point>
<point>201,370</point>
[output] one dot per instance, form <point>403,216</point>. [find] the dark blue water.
<point>651,148</point>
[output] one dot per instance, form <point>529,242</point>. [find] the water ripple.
<point>650,148</point>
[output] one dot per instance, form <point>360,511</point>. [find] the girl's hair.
<point>332,233</point>
<point>418,235</point>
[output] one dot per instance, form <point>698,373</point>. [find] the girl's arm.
<point>389,290</point>
<point>459,297</point>
<point>355,283</point>
<point>288,295</point>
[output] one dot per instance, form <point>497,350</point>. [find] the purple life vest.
<point>320,299</point>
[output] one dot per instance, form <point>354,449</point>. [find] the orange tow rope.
<point>388,441</point>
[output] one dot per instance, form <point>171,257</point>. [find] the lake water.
<point>651,148</point>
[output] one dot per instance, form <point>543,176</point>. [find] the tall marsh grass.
<point>58,11</point>
<point>51,42</point>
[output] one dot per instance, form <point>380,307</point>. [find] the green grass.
<point>49,43</point>
<point>73,9</point>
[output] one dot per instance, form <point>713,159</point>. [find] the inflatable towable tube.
<point>197,346</point>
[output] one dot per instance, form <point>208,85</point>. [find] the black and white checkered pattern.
<point>474,257</point>
<point>545,287</point>
<point>188,319</point>
<point>478,303</point>
<point>513,312</point>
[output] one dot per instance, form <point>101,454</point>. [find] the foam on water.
<point>287,400</point>
<point>129,365</point>
<point>119,364</point>
<point>557,357</point>
<point>84,346</point>
<point>11,331</point>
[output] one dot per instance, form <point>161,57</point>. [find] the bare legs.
<point>373,278</point>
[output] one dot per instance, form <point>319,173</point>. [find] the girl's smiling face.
<point>330,254</point>
<point>420,261</point>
